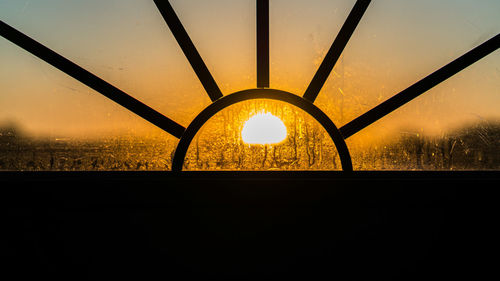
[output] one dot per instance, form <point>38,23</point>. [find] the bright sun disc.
<point>263,128</point>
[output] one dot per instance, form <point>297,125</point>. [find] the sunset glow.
<point>263,128</point>
<point>159,65</point>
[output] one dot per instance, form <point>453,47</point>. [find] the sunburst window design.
<point>276,128</point>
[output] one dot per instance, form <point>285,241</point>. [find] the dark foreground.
<point>140,225</point>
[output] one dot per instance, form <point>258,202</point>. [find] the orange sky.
<point>128,44</point>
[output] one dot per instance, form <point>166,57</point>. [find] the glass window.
<point>50,121</point>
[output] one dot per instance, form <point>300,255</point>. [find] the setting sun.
<point>263,128</point>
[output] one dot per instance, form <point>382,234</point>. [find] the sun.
<point>263,128</point>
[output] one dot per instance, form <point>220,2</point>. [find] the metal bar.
<point>420,87</point>
<point>336,50</point>
<point>262,43</point>
<point>189,49</point>
<point>252,94</point>
<point>90,80</point>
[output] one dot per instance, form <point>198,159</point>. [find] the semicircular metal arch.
<point>252,94</point>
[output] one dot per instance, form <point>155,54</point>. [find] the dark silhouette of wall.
<point>363,226</point>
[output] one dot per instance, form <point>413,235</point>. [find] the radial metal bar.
<point>189,49</point>
<point>421,87</point>
<point>90,80</point>
<point>262,43</point>
<point>336,50</point>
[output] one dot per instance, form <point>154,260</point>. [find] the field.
<point>219,147</point>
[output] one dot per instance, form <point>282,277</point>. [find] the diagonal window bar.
<point>336,50</point>
<point>189,49</point>
<point>420,87</point>
<point>90,80</point>
<point>262,43</point>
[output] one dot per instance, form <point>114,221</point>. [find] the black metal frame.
<point>211,110</point>
<point>263,82</point>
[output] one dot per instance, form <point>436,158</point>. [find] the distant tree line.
<point>219,147</point>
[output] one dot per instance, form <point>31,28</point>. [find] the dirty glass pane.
<point>53,122</point>
<point>287,138</point>
<point>49,121</point>
<point>223,32</point>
